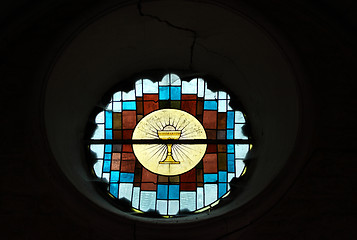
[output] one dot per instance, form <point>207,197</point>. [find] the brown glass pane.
<point>174,179</point>
<point>127,134</point>
<point>222,148</point>
<point>139,117</point>
<point>199,177</point>
<point>127,156</point>
<point>222,161</point>
<point>163,179</point>
<point>116,120</point>
<point>211,134</point>
<point>116,157</point>
<point>200,106</point>
<point>129,119</point>
<point>211,148</point>
<point>151,103</point>
<point>148,179</point>
<point>189,106</point>
<point>210,119</point>
<point>117,134</point>
<point>127,166</point>
<point>188,186</point>
<point>127,148</point>
<point>189,176</point>
<point>222,120</point>
<point>164,104</point>
<point>210,163</point>
<point>139,106</point>
<point>175,104</point>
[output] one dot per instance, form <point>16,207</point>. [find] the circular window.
<point>169,146</point>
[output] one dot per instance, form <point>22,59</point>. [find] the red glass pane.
<point>129,119</point>
<point>222,120</point>
<point>210,163</point>
<point>210,119</point>
<point>127,134</point>
<point>151,103</point>
<point>148,179</point>
<point>189,106</point>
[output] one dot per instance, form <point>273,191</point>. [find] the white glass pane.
<point>165,80</point>
<point>222,95</point>
<point>162,206</point>
<point>175,80</point>
<point>125,190</point>
<point>239,118</point>
<point>106,176</point>
<point>238,133</point>
<point>210,193</point>
<point>230,176</point>
<point>239,167</point>
<point>199,197</point>
<point>99,132</point>
<point>129,95</point>
<point>222,105</point>
<point>190,87</point>
<point>117,96</point>
<point>209,94</point>
<point>100,117</point>
<point>98,168</point>
<point>188,201</point>
<point>98,149</point>
<point>136,196</point>
<point>117,106</point>
<point>201,87</point>
<point>241,150</point>
<point>139,88</point>
<point>173,207</point>
<point>147,200</point>
<point>149,86</point>
<point>229,107</point>
<point>109,107</point>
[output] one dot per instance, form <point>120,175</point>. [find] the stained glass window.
<point>169,147</point>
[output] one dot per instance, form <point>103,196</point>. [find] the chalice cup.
<point>167,134</point>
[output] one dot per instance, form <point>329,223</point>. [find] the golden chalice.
<point>169,133</point>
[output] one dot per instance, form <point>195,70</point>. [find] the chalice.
<point>169,133</point>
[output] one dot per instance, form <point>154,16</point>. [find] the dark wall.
<point>320,204</point>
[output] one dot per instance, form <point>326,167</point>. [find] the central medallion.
<point>171,158</point>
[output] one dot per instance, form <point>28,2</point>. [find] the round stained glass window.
<point>169,146</point>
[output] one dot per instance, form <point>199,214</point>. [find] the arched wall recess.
<point>202,37</point>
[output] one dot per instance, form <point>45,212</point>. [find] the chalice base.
<point>169,160</point>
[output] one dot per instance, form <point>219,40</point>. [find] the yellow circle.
<point>169,159</point>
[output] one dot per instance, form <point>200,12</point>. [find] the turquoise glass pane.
<point>108,148</point>
<point>210,105</point>
<point>175,93</point>
<point>164,93</point>
<point>108,134</point>
<point>230,162</point>
<point>222,189</point>
<point>230,148</point>
<point>126,177</point>
<point>114,176</point>
<point>210,177</point>
<point>174,191</point>
<point>106,166</point>
<point>222,176</point>
<point>230,134</point>
<point>113,189</point>
<point>162,191</point>
<point>230,119</point>
<point>107,156</point>
<point>108,119</point>
<point>129,105</point>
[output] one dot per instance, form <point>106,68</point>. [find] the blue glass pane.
<point>175,93</point>
<point>162,191</point>
<point>230,119</point>
<point>222,189</point>
<point>210,177</point>
<point>210,105</point>
<point>129,105</point>
<point>106,166</point>
<point>230,148</point>
<point>126,177</point>
<point>230,134</point>
<point>114,189</point>
<point>108,134</point>
<point>163,93</point>
<point>230,161</point>
<point>114,176</point>
<point>108,148</point>
<point>174,192</point>
<point>108,119</point>
<point>222,176</point>
<point>107,156</point>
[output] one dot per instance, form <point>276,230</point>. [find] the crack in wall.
<point>193,32</point>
